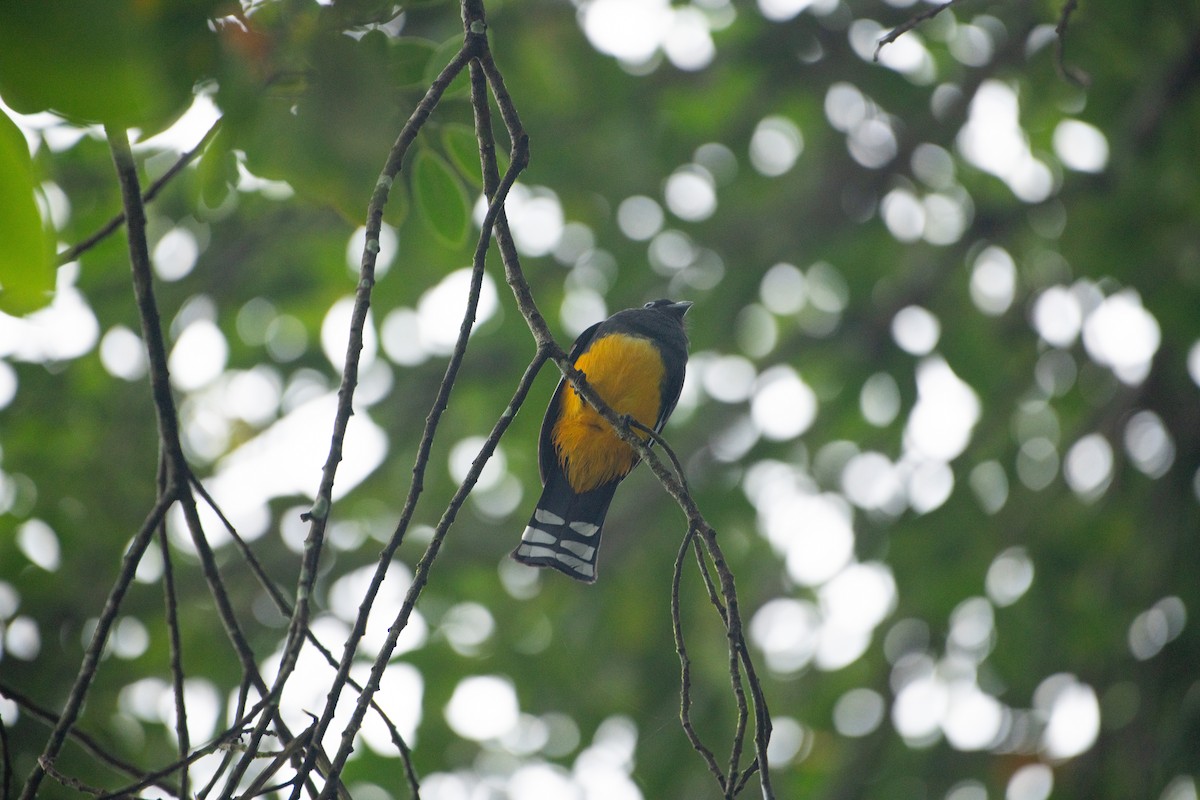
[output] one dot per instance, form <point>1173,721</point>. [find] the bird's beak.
<point>679,308</point>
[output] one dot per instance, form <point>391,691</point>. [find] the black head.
<point>670,306</point>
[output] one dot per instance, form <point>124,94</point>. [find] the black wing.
<point>672,385</point>
<point>547,458</point>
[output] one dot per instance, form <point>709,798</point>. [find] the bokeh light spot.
<point>1121,334</point>
<point>1009,576</point>
<point>122,354</point>
<point>1037,463</point>
<point>916,330</point>
<point>1088,466</point>
<point>879,400</point>
<point>783,406</point>
<point>690,193</point>
<point>482,707</point>
<point>639,217</point>
<point>775,145</point>
<point>1073,716</point>
<point>462,458</point>
<point>440,310</point>
<point>1058,316</point>
<point>39,543</point>
<point>389,244</point>
<point>786,631</point>
<point>783,290</point>
<point>946,411</point>
<point>335,335</point>
<point>1030,782</point>
<point>175,254</point>
<point>1149,444</point>
<point>1080,146</point>
<point>858,712</point>
<point>974,719</point>
<point>903,214</point>
<point>993,281</point>
<point>729,379</point>
<point>198,357</point>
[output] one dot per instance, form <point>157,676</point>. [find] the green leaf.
<point>217,171</point>
<point>398,204</point>
<point>444,54</point>
<point>410,57</point>
<point>27,257</point>
<point>125,63</point>
<point>463,150</point>
<point>440,197</point>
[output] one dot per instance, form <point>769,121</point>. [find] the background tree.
<point>941,408</point>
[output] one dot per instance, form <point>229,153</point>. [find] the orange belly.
<point>627,371</point>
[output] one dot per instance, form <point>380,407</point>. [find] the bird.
<point>635,360</point>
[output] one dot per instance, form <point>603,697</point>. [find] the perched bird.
<point>635,360</point>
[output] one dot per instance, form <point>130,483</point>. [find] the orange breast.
<point>627,371</point>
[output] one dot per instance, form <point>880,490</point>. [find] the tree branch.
<point>375,208</point>
<point>91,656</point>
<point>909,24</point>
<point>685,668</point>
<point>1066,72</point>
<point>74,252</point>
<point>83,740</point>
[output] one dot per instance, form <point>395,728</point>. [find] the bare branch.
<point>67,780</point>
<point>177,676</point>
<point>1065,71</point>
<point>91,656</point>
<point>72,253</point>
<point>83,740</point>
<point>277,597</point>
<point>547,345</point>
<point>7,760</point>
<point>909,24</point>
<point>685,667</point>
<point>490,221</point>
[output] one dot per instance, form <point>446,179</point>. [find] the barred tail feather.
<point>564,531</point>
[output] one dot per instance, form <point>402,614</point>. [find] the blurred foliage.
<point>884,210</point>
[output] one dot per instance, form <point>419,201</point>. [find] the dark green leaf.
<point>463,150</point>
<point>441,199</point>
<point>217,171</point>
<point>126,63</point>
<point>441,57</point>
<point>27,256</point>
<point>410,58</point>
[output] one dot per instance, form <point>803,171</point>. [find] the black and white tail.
<point>564,531</point>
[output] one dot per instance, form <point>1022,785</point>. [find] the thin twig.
<point>421,573</point>
<point>685,667</point>
<point>495,209</point>
<point>243,695</point>
<point>67,780</point>
<point>702,564</point>
<point>277,597</point>
<point>908,25</point>
<point>223,739</point>
<point>1065,71</point>
<point>739,731</point>
<point>258,785</point>
<point>661,442</point>
<point>72,253</point>
<point>85,742</point>
<point>548,346</point>
<point>345,395</point>
<point>7,760</point>
<point>91,656</point>
<point>176,472</point>
<point>171,601</point>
